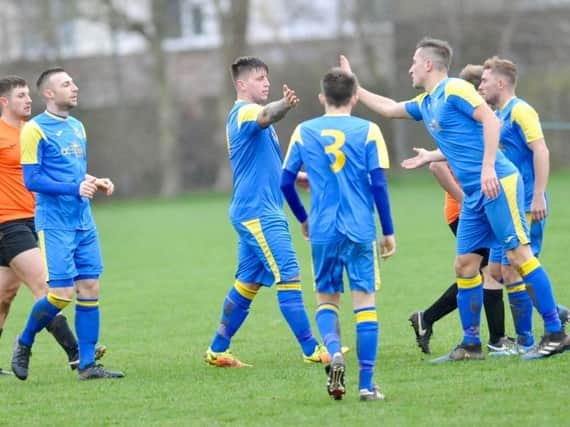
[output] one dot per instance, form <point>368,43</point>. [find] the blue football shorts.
<point>501,222</point>
<point>265,251</point>
<point>499,256</point>
<point>360,260</point>
<point>71,255</point>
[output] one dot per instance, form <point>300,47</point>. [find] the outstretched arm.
<point>441,172</point>
<point>275,111</point>
<point>382,105</point>
<point>422,157</point>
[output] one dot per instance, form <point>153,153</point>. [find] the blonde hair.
<point>504,67</point>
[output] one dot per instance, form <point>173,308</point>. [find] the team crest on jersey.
<point>434,125</point>
<point>74,149</point>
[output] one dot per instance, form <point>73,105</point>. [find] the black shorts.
<point>484,252</point>
<point>16,237</point>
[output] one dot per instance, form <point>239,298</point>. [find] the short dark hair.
<point>472,73</point>
<point>246,63</point>
<point>8,83</point>
<point>440,52</point>
<point>504,67</point>
<point>338,86</point>
<point>44,76</point>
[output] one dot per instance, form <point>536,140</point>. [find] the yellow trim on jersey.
<point>87,303</point>
<point>30,138</point>
<point>254,227</point>
<point>529,266</point>
<point>248,113</point>
<point>42,246</point>
<point>289,287</point>
<point>420,98</point>
<point>83,128</point>
<point>326,306</point>
<point>468,283</point>
<point>464,90</point>
<point>377,278</point>
<point>366,316</point>
<point>244,291</point>
<point>57,301</point>
<point>527,118</point>
<point>295,138</point>
<point>375,135</point>
<point>509,184</point>
<point>514,289</point>
<point>529,219</point>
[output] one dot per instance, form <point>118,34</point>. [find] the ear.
<point>322,99</point>
<point>428,64</point>
<point>240,85</point>
<point>501,83</point>
<point>3,101</point>
<point>354,100</point>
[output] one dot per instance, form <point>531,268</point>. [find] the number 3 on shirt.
<point>335,148</point>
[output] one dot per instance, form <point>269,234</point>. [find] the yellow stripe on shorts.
<point>509,184</point>
<point>254,227</point>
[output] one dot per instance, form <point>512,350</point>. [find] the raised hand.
<point>289,96</point>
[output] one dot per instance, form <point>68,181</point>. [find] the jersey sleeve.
<point>526,119</point>
<point>413,107</point>
<point>31,138</point>
<point>376,151</point>
<point>463,96</point>
<point>247,119</point>
<point>293,159</point>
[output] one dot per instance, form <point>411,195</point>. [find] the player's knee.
<point>8,293</point>
<point>466,266</point>
<point>519,255</point>
<point>87,288</point>
<point>494,271</point>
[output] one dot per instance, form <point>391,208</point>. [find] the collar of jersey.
<point>55,116</point>
<point>437,86</point>
<point>336,114</point>
<point>507,103</point>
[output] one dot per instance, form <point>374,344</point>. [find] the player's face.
<point>19,103</point>
<point>418,70</point>
<point>256,84</point>
<point>489,87</point>
<point>64,92</point>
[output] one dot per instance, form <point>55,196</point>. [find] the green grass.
<point>169,265</point>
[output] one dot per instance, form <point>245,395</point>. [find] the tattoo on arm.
<point>273,112</point>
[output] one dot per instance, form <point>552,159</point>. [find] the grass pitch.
<point>168,267</point>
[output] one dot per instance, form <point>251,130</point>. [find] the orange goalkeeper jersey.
<point>16,202</point>
<point>452,208</point>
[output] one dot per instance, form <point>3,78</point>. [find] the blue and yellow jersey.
<point>520,126</point>
<point>338,152</point>
<point>255,158</point>
<point>447,112</point>
<point>58,146</point>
